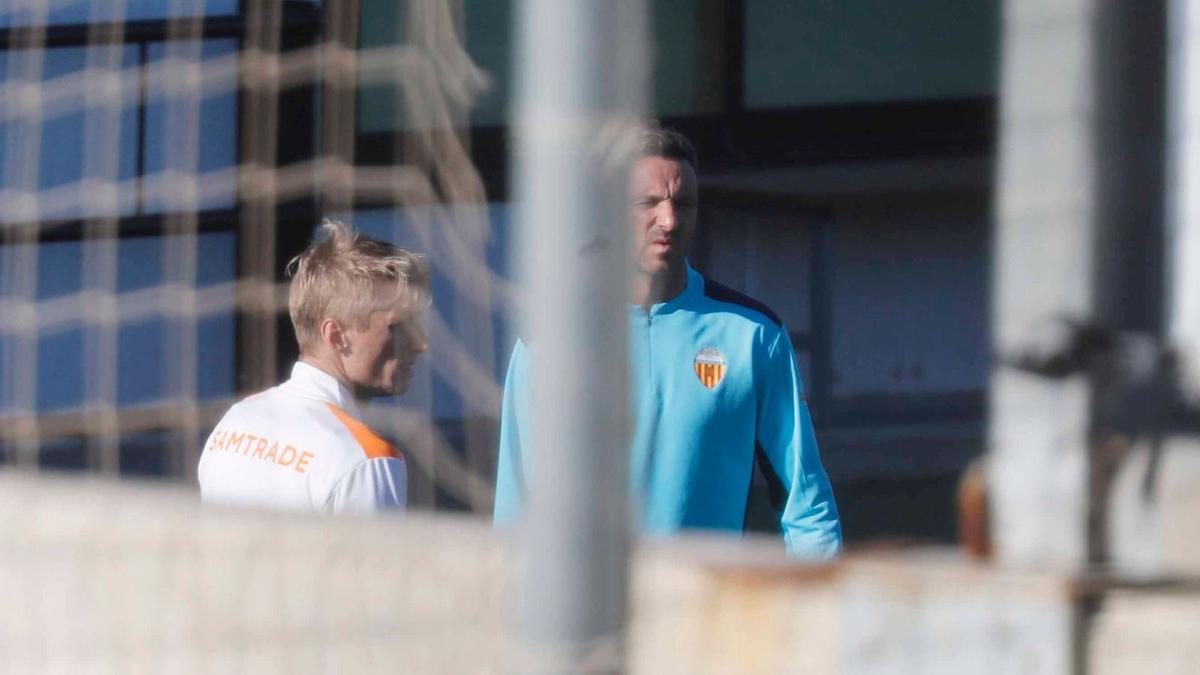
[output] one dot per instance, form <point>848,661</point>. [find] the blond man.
<point>303,445</point>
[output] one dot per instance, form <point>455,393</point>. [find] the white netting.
<point>160,161</point>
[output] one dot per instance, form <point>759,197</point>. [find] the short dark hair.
<point>660,141</point>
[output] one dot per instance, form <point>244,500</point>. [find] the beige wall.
<point>126,578</point>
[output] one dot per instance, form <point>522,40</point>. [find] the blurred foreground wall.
<point>97,578</point>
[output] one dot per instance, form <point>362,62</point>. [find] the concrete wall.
<point>1146,631</point>
<point>118,578</point>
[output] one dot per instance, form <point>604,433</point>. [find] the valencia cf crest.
<point>710,367</point>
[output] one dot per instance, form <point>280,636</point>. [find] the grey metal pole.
<point>1079,185</point>
<point>1046,197</point>
<point>1183,186</point>
<point>580,76</point>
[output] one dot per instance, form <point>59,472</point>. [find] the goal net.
<point>160,161</point>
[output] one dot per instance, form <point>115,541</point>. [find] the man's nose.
<point>420,341</point>
<point>667,219</point>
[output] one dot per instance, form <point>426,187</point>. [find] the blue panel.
<point>83,11</point>
<point>6,343</point>
<point>3,126</point>
<point>140,263</point>
<point>215,142</point>
<point>216,335</point>
<point>447,404</point>
<point>140,362</point>
<point>60,370</point>
<point>62,135</point>
<point>216,259</point>
<point>158,9</point>
<point>141,347</point>
<point>60,360</point>
<point>59,269</point>
<point>218,115</point>
<point>141,260</point>
<point>215,359</point>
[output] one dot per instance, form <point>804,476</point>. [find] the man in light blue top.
<point>716,383</point>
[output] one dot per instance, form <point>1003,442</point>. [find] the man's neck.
<point>327,366</point>
<point>651,289</point>
<point>320,364</point>
<point>330,368</point>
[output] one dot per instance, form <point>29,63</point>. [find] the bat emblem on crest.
<point>710,367</point>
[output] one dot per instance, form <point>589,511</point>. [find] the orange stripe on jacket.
<point>374,446</point>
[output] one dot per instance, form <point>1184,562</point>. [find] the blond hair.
<point>348,276</point>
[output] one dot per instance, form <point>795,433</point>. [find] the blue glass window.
<point>142,350</point>
<point>56,159</point>
<point>193,133</point>
<point>141,365</point>
<point>60,12</point>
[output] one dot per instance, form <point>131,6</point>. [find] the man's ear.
<point>333,338</point>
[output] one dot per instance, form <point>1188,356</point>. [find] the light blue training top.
<point>717,389</point>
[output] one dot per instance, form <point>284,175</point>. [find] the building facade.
<point>846,155</point>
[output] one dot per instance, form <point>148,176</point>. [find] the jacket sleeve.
<point>810,524</point>
<point>510,478</point>
<point>373,486</point>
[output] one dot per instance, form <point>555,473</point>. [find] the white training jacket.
<point>301,446</point>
